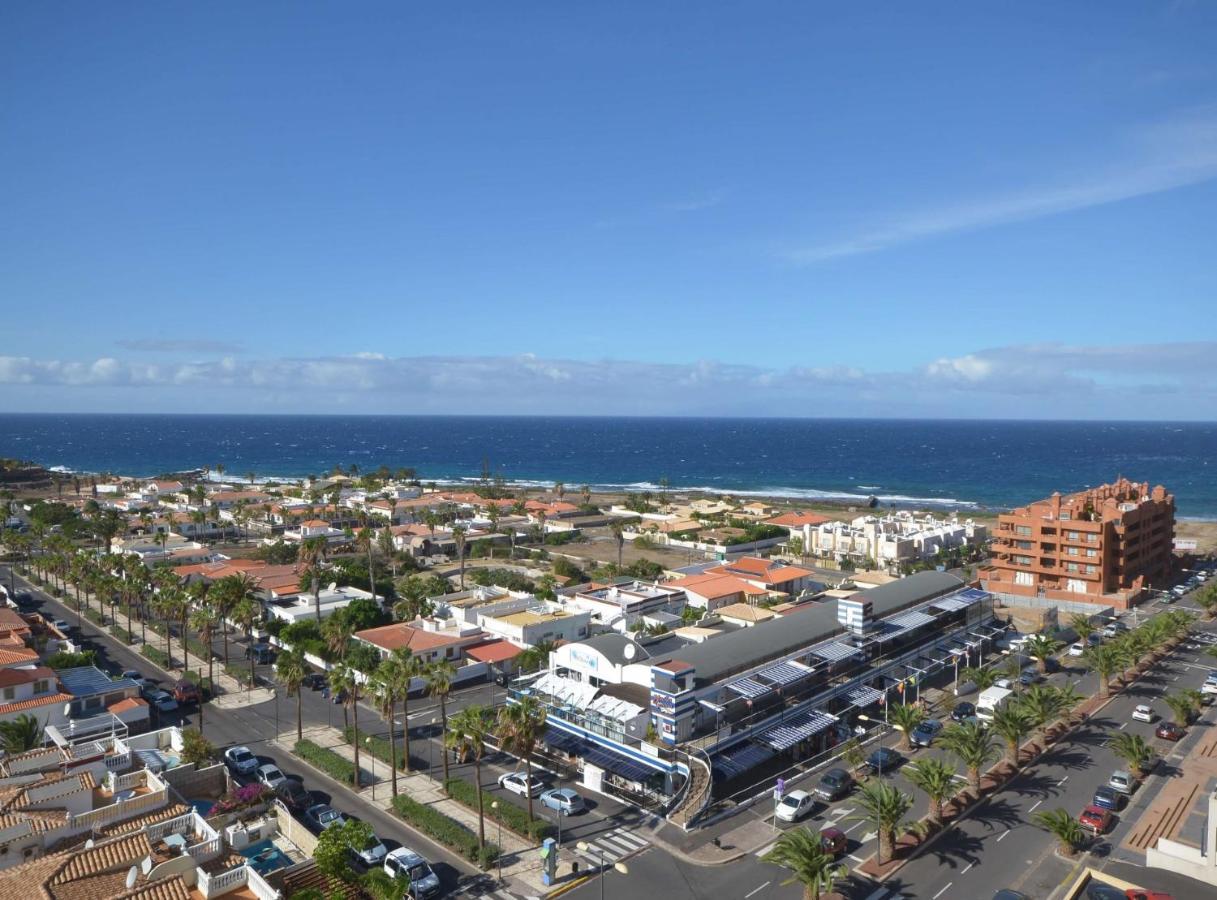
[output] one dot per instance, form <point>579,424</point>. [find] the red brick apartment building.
<point>1104,545</point>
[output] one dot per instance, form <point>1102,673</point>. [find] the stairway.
<point>697,795</point>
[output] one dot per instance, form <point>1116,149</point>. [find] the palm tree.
<point>312,561</point>
<point>466,735</point>
<point>936,780</point>
<point>407,668</point>
<point>345,684</point>
<point>520,728</point>
<point>972,744</point>
<point>458,535</point>
<point>536,656</point>
<point>439,676</point>
<point>1041,647</point>
<point>1132,749</point>
<point>884,806</point>
<point>20,734</point>
<point>1105,660</point>
<point>802,853</point>
<point>291,669</point>
<point>1062,826</point>
<point>227,593</point>
<point>382,686</point>
<point>618,530</point>
<point>1013,724</point>
<point>366,541</point>
<point>246,614</point>
<point>1082,626</point>
<point>204,620</point>
<point>905,719</point>
<point>1180,707</point>
<point>337,632</point>
<point>982,678</point>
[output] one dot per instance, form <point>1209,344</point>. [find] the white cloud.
<point>1166,156</point>
<point>1042,380</point>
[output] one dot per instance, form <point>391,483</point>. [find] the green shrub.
<point>199,649</point>
<point>155,654</point>
<point>95,617</point>
<point>512,817</point>
<point>337,767</point>
<point>377,746</point>
<point>446,830</point>
<point>123,634</point>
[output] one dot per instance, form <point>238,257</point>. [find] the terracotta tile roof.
<point>11,656</point>
<point>750,564</point>
<point>315,523</point>
<point>12,620</point>
<point>126,704</point>
<point>171,888</point>
<point>102,857</point>
<point>797,519</point>
<point>34,703</point>
<point>786,573</point>
<point>399,634</point>
<point>495,651</point>
<point>745,613</point>
<point>164,814</point>
<point>13,677</point>
<point>39,820</point>
<point>66,784</point>
<point>715,585</point>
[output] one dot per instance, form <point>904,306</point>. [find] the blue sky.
<point>801,209</point>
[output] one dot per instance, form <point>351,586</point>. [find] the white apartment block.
<point>891,539</point>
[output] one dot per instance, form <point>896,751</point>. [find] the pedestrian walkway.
<point>612,847</point>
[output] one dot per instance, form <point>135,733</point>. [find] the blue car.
<point>883,760</point>
<point>1106,798</point>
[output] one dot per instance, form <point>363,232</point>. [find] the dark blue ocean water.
<point>990,464</point>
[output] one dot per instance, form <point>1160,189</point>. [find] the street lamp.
<point>367,745</point>
<point>431,750</point>
<point>494,805</point>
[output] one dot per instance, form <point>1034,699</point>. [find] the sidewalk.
<point>521,861</point>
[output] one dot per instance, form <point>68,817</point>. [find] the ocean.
<point>965,464</point>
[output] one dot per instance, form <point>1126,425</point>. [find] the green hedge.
<point>95,617</point>
<point>377,746</point>
<point>122,634</point>
<point>337,767</point>
<point>511,816</point>
<point>448,831</point>
<point>155,654</point>
<point>198,648</point>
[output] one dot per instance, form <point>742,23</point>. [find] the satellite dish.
<point>145,865</point>
<point>132,876</point>
<point>89,844</point>
<point>629,651</point>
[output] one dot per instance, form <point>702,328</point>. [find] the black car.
<point>295,796</point>
<point>963,711</point>
<point>314,681</point>
<point>833,784</point>
<point>262,654</point>
<point>884,759</point>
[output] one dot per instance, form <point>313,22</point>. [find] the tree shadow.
<point>1066,758</point>
<point>955,850</point>
<point>999,814</point>
<point>1033,785</point>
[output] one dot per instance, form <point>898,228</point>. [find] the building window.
<point>1023,530</point>
<point>1024,578</point>
<point>1071,567</point>
<point>10,693</point>
<point>1090,570</point>
<point>1073,535</point>
<point>1072,551</point>
<point>41,687</point>
<point>1022,560</point>
<point>1075,586</point>
<point>1024,545</point>
<point>1091,552</point>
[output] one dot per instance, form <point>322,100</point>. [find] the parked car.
<point>1096,819</point>
<point>923,735</point>
<point>321,816</point>
<point>1028,678</point>
<point>1094,639</point>
<point>1169,731</point>
<point>1143,713</point>
<point>261,654</point>
<point>314,681</point>
<point>1077,649</point>
<point>883,760</point>
<point>1007,894</point>
<point>424,883</point>
<point>134,675</point>
<point>1121,781</point>
<point>270,775</point>
<point>240,761</point>
<point>1003,682</point>
<point>794,806</point>
<point>1138,894</point>
<point>295,796</point>
<point>373,852</point>
<point>518,783</point>
<point>1209,687</point>
<point>1108,798</point>
<point>60,625</point>
<point>163,701</point>
<point>833,784</point>
<point>563,800</point>
<point>963,711</point>
<point>833,841</point>
<point>187,692</point>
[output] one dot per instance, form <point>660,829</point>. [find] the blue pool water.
<point>265,857</point>
<point>202,807</point>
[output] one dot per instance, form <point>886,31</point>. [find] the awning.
<point>564,741</point>
<point>784,673</point>
<point>864,696</point>
<point>617,764</point>
<point>960,600</point>
<point>835,652</point>
<point>799,728</point>
<point>907,622</point>
<point>749,688</point>
<point>739,760</point>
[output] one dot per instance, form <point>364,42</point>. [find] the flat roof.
<point>786,635</point>
<point>527,617</point>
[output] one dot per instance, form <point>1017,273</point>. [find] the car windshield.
<point>833,778</point>
<point>419,872</point>
<point>790,801</point>
<point>272,772</point>
<point>241,755</point>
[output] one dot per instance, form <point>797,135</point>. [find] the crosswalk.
<point>611,847</point>
<point>488,888</point>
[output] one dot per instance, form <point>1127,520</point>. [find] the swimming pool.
<point>202,807</point>
<point>265,857</point>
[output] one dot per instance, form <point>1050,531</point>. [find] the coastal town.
<point>361,684</point>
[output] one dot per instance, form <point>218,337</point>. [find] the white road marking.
<point>869,836</point>
<point>944,890</point>
<point>965,869</point>
<point>754,890</point>
<point>1062,781</point>
<point>766,849</point>
<point>847,830</point>
<point>1176,678</point>
<point>1001,837</point>
<point>856,859</point>
<point>1037,803</point>
<point>1123,725</point>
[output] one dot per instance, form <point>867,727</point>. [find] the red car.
<point>833,841</point>
<point>1096,819</point>
<point>1170,731</point>
<point>1138,894</point>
